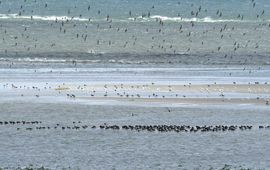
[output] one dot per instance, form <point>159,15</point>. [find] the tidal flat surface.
<point>64,136</point>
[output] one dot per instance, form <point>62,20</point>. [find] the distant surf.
<point>133,59</point>
<point>205,19</point>
<point>37,17</point>
<point>134,19</point>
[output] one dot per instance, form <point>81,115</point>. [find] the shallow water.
<point>134,150</point>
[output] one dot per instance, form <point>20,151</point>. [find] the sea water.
<point>167,42</point>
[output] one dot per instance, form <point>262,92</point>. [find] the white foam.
<point>44,18</point>
<point>92,51</point>
<point>180,19</point>
<point>137,19</point>
<point>27,59</point>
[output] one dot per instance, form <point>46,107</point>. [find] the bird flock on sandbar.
<point>146,91</point>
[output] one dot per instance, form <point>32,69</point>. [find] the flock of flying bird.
<point>159,32</point>
<point>161,38</point>
<point>64,26</point>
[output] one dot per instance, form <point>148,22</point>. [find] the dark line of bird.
<point>154,128</point>
<point>20,122</point>
<point>78,125</point>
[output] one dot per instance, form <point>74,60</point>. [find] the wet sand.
<point>186,101</point>
<point>200,88</point>
<point>174,94</point>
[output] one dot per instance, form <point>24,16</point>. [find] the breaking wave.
<point>135,19</point>
<point>181,19</point>
<point>43,18</point>
<point>133,58</point>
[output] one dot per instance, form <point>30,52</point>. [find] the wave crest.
<point>180,19</point>
<point>44,18</point>
<point>136,19</point>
